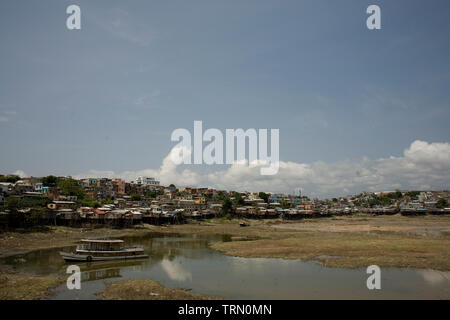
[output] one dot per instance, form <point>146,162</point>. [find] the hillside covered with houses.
<point>51,200</point>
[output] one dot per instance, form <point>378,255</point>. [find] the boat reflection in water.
<point>107,270</point>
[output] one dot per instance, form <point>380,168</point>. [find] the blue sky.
<point>108,96</point>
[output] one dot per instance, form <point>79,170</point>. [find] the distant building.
<point>38,187</point>
<point>89,182</point>
<point>146,181</point>
<point>6,186</point>
<point>119,186</point>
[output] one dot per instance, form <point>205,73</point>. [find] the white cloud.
<point>20,173</point>
<point>3,119</point>
<point>423,166</point>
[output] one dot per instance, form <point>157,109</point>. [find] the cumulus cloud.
<point>423,166</point>
<point>20,173</point>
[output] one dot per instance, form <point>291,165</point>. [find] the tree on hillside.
<point>136,197</point>
<point>151,194</point>
<point>12,204</point>
<point>70,187</point>
<point>396,195</point>
<point>88,203</point>
<point>264,196</point>
<point>413,194</point>
<point>221,196</point>
<point>227,206</point>
<point>442,203</point>
<point>9,178</point>
<point>285,205</point>
<point>238,199</point>
<point>50,181</point>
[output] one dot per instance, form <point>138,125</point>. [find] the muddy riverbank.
<point>346,242</point>
<point>17,286</point>
<point>426,226</point>
<point>421,242</point>
<point>351,241</point>
<point>146,289</point>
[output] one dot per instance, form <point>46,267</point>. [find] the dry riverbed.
<point>350,242</point>
<point>146,289</point>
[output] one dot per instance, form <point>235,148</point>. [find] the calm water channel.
<point>187,262</point>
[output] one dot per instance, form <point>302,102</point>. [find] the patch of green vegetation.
<point>354,249</point>
<point>264,196</point>
<point>238,200</point>
<point>88,203</point>
<point>153,194</point>
<point>412,194</point>
<point>227,207</point>
<point>50,181</point>
<point>229,219</point>
<point>15,203</point>
<point>442,203</point>
<point>23,287</point>
<point>70,187</point>
<point>136,197</point>
<point>146,289</point>
<point>9,178</point>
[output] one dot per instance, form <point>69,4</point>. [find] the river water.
<point>187,262</point>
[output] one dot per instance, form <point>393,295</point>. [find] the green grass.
<point>146,289</point>
<point>354,249</point>
<point>24,287</point>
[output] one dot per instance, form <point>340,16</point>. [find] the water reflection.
<point>187,262</point>
<point>175,271</point>
<point>105,270</point>
<point>434,277</point>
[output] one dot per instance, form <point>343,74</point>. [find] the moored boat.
<point>103,250</point>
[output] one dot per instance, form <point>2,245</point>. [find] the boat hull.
<point>83,258</point>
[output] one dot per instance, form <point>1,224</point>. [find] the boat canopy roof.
<point>102,241</point>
